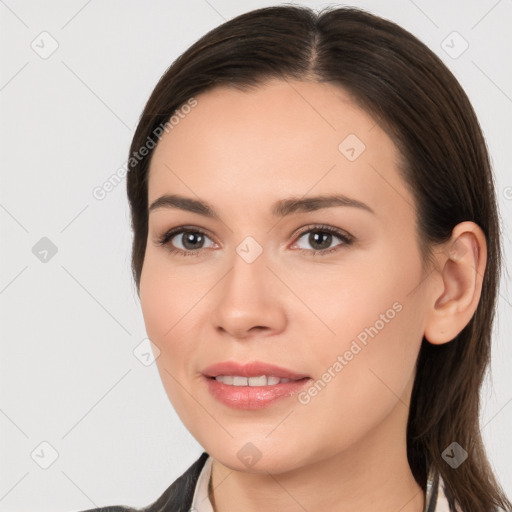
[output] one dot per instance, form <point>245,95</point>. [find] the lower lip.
<point>253,397</point>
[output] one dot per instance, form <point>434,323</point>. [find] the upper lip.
<point>251,369</point>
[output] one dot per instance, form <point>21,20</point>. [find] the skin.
<point>345,450</point>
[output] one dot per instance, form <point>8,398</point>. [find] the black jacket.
<point>176,498</point>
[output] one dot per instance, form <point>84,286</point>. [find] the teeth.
<point>239,381</point>
<point>258,381</point>
<point>262,380</point>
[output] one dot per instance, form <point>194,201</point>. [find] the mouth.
<point>252,385</point>
<point>235,373</point>
<point>261,380</point>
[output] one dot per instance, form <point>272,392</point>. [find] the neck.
<point>373,474</point>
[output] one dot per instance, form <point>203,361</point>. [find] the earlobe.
<point>462,265</point>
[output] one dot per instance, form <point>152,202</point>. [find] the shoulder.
<point>176,498</point>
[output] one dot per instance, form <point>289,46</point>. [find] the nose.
<point>249,300</point>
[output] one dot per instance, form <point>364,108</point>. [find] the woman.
<point>327,340</point>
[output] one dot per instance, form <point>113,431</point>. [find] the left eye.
<point>322,238</point>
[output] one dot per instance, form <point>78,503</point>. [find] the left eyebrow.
<point>291,205</point>
<point>281,208</point>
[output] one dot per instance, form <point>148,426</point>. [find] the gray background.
<point>71,321</point>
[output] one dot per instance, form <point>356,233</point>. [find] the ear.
<point>457,286</point>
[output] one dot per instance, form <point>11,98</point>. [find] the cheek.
<point>167,306</point>
<point>168,294</point>
<point>371,332</point>
<point>364,295</point>
<point>170,316</point>
<point>164,308</point>
<point>363,374</point>
<point>156,306</point>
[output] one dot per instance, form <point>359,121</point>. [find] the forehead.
<point>284,138</point>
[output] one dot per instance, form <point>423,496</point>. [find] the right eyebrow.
<point>184,203</point>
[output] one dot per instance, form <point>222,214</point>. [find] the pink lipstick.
<point>253,385</point>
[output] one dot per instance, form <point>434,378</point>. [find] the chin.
<point>258,456</point>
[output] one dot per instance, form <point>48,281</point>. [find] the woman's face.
<point>251,287</point>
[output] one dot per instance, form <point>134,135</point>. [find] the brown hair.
<point>407,88</point>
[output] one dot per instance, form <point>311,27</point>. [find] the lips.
<point>251,369</point>
<point>281,383</point>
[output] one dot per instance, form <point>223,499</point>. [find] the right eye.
<point>187,237</point>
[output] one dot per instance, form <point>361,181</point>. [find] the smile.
<point>262,380</point>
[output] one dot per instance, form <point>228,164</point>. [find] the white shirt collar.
<point>201,502</point>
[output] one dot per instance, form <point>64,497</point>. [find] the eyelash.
<point>169,235</point>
